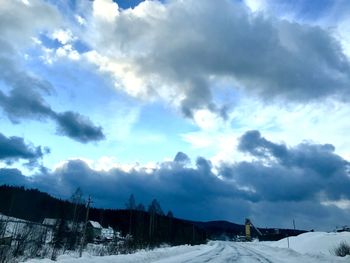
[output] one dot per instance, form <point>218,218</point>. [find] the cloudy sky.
<point>220,109</point>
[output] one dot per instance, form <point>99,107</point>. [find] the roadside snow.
<point>313,242</point>
<point>306,248</point>
<point>142,256</point>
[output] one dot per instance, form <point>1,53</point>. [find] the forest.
<point>147,226</point>
<point>135,226</point>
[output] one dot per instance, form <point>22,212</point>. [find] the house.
<point>94,228</point>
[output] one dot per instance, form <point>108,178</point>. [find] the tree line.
<point>144,226</point>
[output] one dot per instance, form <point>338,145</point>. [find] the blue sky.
<point>114,90</point>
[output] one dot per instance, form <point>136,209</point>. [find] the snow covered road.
<point>214,251</point>
<point>227,252</point>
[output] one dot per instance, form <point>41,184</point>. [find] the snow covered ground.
<point>314,242</point>
<point>309,248</point>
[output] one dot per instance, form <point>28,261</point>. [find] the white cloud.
<point>80,20</point>
<point>29,18</point>
<point>105,9</point>
<point>47,55</point>
<point>199,140</point>
<point>343,34</point>
<point>207,120</point>
<point>342,204</point>
<point>68,51</point>
<point>122,72</point>
<point>63,36</point>
<point>26,2</point>
<point>256,5</point>
<point>107,163</point>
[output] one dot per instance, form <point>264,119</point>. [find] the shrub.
<point>342,250</point>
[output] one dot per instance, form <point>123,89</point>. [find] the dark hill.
<point>226,230</point>
<point>33,205</point>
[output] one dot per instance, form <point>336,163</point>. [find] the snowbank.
<point>313,242</point>
<point>142,256</point>
<point>222,251</point>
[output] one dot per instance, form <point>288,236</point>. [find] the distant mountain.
<point>221,230</point>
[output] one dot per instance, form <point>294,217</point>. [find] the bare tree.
<point>23,237</point>
<point>59,237</point>
<point>74,234</point>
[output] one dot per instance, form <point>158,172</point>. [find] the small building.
<point>52,222</point>
<point>95,228</point>
<point>107,233</point>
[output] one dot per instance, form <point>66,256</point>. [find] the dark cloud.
<point>22,96</point>
<point>182,158</point>
<point>26,101</point>
<point>14,148</point>
<point>187,191</point>
<point>12,176</point>
<point>303,179</point>
<point>253,143</point>
<point>317,158</point>
<point>78,127</point>
<point>274,59</point>
<point>304,172</point>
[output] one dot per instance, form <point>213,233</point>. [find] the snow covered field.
<point>309,248</point>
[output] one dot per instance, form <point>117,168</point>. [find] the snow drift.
<point>313,242</point>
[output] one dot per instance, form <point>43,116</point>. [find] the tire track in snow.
<point>256,255</point>
<point>220,252</point>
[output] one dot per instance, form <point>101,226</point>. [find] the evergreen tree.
<point>155,207</point>
<point>131,203</point>
<point>140,207</point>
<point>170,214</point>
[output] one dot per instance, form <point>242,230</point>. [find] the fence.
<point>22,239</point>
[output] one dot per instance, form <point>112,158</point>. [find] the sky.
<point>225,109</point>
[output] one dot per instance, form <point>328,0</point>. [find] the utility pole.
<point>85,225</point>
<point>294,224</point>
